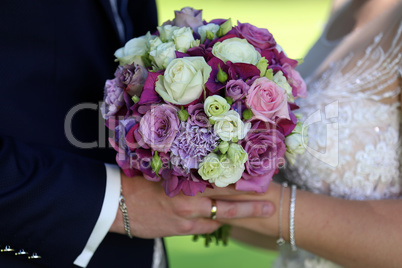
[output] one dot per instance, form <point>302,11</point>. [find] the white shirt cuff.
<point>106,217</point>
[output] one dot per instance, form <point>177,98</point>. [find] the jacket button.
<point>21,253</point>
<point>34,256</point>
<point>7,249</point>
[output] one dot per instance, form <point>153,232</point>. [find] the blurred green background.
<point>295,24</point>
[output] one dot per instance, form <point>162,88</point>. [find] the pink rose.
<point>267,100</point>
<point>258,37</point>
<point>188,17</point>
<point>159,126</point>
<point>299,88</point>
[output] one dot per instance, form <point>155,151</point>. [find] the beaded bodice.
<point>353,113</point>
<point>353,120</point>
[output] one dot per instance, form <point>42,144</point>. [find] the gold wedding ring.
<point>214,209</point>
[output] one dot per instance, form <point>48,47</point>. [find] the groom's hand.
<point>153,214</point>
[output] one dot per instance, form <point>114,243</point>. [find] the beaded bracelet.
<point>292,219</point>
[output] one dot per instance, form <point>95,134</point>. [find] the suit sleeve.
<point>50,200</point>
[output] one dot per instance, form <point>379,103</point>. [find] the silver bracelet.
<point>292,219</point>
<point>280,240</point>
<point>123,208</point>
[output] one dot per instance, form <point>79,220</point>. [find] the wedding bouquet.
<point>200,104</point>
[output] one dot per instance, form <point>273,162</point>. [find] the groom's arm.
<point>50,200</point>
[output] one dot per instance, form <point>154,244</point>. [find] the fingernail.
<point>267,210</point>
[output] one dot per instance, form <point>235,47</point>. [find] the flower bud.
<point>156,163</point>
<point>225,28</point>
<point>229,100</point>
<point>135,99</point>
<point>210,35</point>
<point>221,76</point>
<point>223,147</point>
<point>247,114</point>
<point>182,114</point>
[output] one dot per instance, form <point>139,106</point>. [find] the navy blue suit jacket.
<point>55,54</point>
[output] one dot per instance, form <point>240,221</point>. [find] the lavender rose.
<point>236,89</point>
<point>267,100</point>
<point>188,17</point>
<point>133,76</point>
<point>197,115</point>
<point>265,146</point>
<point>258,37</point>
<point>114,98</point>
<point>159,126</point>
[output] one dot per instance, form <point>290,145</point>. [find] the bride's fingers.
<point>242,209</point>
<point>226,191</point>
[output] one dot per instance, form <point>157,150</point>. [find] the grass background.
<point>295,24</point>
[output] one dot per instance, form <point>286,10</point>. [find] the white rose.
<point>236,50</point>
<point>229,126</point>
<point>166,32</point>
<point>216,105</point>
<point>210,169</point>
<point>295,143</point>
<point>184,39</point>
<point>281,81</point>
<point>184,80</point>
<point>237,154</point>
<point>154,43</point>
<point>231,173</point>
<point>220,170</point>
<point>290,157</point>
<point>211,27</point>
<point>134,50</point>
<point>163,54</point>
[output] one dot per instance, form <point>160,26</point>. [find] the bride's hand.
<point>266,226</point>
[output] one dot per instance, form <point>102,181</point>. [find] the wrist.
<point>118,223</point>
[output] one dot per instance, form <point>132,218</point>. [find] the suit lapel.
<point>106,5</point>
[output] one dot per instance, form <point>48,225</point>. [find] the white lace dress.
<point>353,115</point>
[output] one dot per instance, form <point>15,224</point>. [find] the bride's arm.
<point>351,233</point>
<point>253,238</point>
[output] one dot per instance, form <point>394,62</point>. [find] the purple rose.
<point>277,57</point>
<point>113,100</point>
<point>159,126</point>
<point>197,115</point>
<point>258,37</point>
<point>189,184</point>
<point>133,76</point>
<point>188,17</point>
<point>265,146</point>
<point>236,89</point>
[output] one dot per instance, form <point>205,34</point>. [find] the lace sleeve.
<point>353,113</point>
